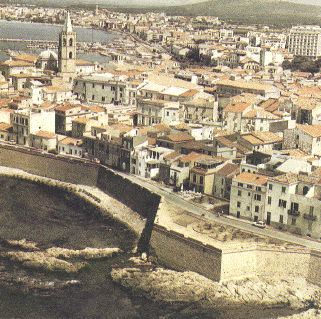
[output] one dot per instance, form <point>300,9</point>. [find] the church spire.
<point>67,27</point>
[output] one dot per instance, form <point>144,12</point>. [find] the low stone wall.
<point>48,165</point>
<point>314,274</point>
<point>239,263</point>
<point>175,251</point>
<point>283,261</point>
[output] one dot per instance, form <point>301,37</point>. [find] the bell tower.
<point>67,51</point>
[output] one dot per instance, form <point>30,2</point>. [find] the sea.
<point>37,31</point>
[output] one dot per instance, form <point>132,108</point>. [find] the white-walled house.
<point>70,146</point>
<point>31,121</point>
<point>284,193</point>
<point>43,140</point>
<point>248,191</point>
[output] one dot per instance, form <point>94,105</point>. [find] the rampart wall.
<point>225,260</point>
<point>77,171</point>
<point>182,254</point>
<point>49,165</point>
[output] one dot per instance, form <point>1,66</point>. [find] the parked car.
<point>259,223</point>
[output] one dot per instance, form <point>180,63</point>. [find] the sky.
<point>181,2</point>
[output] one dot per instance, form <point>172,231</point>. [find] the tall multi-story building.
<point>305,41</point>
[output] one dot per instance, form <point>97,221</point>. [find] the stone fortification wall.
<point>283,261</point>
<point>77,171</point>
<point>49,165</point>
<point>239,263</point>
<point>138,198</point>
<point>314,274</point>
<point>172,249</point>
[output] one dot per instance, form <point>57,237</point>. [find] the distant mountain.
<point>270,12</point>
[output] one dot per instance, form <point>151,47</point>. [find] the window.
<point>238,204</point>
<point>283,189</point>
<point>257,209</point>
<point>93,97</point>
<point>269,200</point>
<point>201,179</point>
<point>194,178</point>
<point>248,208</point>
<point>248,194</point>
<point>257,197</point>
<point>93,85</point>
<point>258,189</point>
<point>103,99</point>
<point>305,190</point>
<point>249,186</point>
<point>240,184</point>
<point>311,210</point>
<point>282,203</point>
<point>102,86</point>
<point>70,42</point>
<point>293,223</point>
<point>239,193</point>
<point>281,219</point>
<point>70,55</point>
<point>309,226</point>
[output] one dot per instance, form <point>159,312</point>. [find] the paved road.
<point>197,210</point>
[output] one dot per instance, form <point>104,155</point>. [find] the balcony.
<point>294,213</point>
<point>310,217</point>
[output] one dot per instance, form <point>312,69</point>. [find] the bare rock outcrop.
<point>50,258</point>
<point>310,314</point>
<point>168,285</point>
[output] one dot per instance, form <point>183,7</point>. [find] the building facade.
<point>305,41</point>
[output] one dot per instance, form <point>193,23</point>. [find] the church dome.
<point>48,55</point>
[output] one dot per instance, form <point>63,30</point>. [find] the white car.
<point>259,223</point>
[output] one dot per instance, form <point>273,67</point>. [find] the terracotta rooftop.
<point>189,93</point>
<point>179,137</point>
<point>192,157</point>
<point>228,169</point>
<point>5,126</point>
<point>83,62</point>
<point>171,155</point>
<point>294,178</point>
<point>237,107</point>
<point>45,134</point>
<point>13,63</point>
<point>252,178</point>
<point>26,57</point>
<point>244,85</point>
<point>312,130</point>
<point>71,141</point>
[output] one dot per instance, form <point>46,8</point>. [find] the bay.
<point>38,31</point>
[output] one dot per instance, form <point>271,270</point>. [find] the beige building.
<point>201,177</point>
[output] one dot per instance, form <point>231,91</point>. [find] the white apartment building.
<point>305,41</point>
